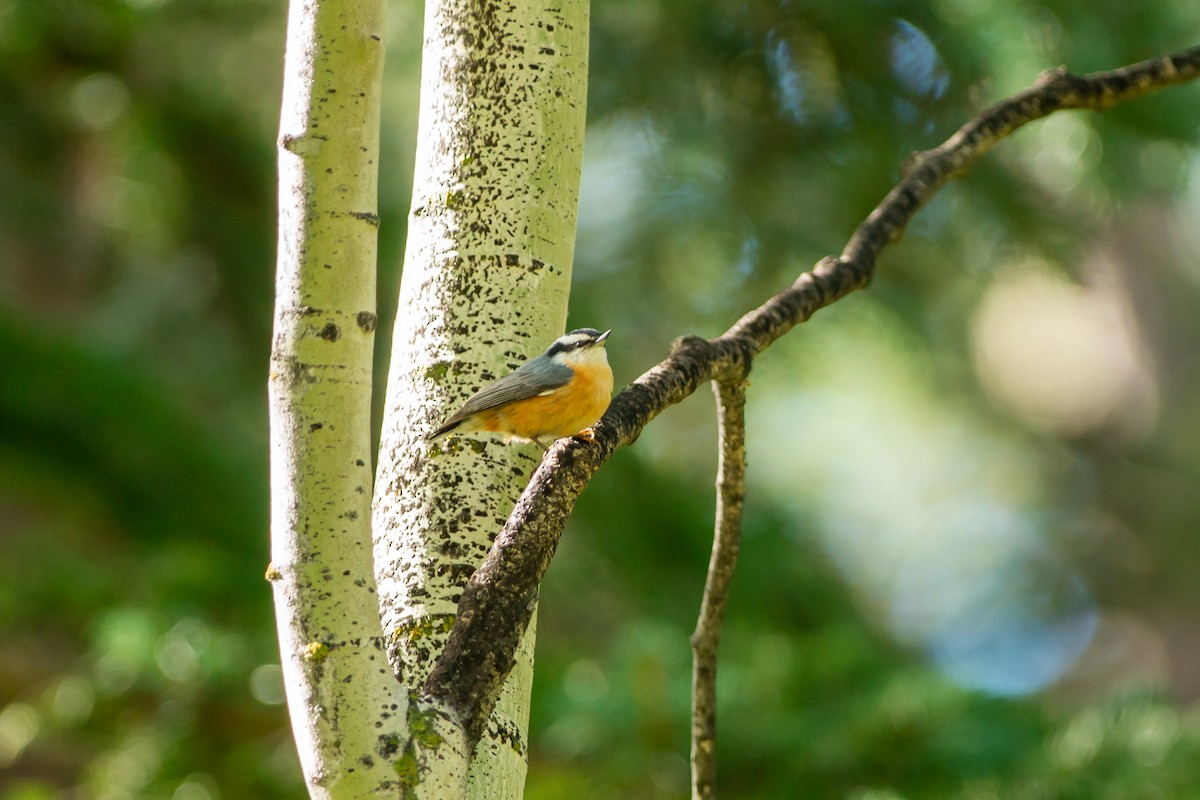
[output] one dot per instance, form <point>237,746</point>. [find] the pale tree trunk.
<point>339,687</point>
<point>485,283</point>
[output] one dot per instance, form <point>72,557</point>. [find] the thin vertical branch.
<point>727,533</point>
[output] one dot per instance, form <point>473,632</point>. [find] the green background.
<point>970,560</point>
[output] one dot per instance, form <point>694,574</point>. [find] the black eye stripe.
<point>565,347</point>
<point>587,338</point>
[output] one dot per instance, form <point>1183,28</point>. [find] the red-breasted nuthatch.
<point>560,393</point>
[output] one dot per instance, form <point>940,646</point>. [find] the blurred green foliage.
<point>921,525</point>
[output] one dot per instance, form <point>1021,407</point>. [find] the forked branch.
<point>498,601</point>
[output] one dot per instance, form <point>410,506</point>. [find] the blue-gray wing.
<point>532,379</point>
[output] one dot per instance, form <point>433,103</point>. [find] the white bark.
<point>486,277</point>
<point>342,697</point>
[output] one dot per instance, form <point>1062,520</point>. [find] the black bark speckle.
<point>367,321</point>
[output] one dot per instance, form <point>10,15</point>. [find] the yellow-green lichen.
<point>422,725</point>
<point>425,627</point>
<point>273,573</point>
<point>316,652</point>
<point>406,767</point>
<point>435,372</point>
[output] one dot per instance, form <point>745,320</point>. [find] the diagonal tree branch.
<point>499,599</point>
<point>731,496</point>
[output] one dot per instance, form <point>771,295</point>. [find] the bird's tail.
<point>442,431</point>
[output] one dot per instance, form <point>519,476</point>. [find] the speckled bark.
<point>498,600</point>
<point>342,697</point>
<point>485,284</point>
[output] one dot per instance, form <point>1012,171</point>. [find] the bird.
<point>560,393</point>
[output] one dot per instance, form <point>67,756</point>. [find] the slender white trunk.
<point>486,277</point>
<point>341,693</point>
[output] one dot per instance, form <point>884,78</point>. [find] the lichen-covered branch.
<point>727,534</point>
<point>498,600</point>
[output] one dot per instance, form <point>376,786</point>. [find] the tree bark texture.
<point>486,278</point>
<point>341,694</point>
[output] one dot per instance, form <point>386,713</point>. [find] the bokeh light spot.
<point>805,75</point>
<point>1152,733</point>
<point>178,652</point>
<point>1078,744</point>
<point>916,62</point>
<point>99,100</point>
<point>585,682</point>
<point>72,700</point>
<point>266,684</point>
<point>1059,355</point>
<point>942,548</point>
<point>19,724</point>
<point>197,786</point>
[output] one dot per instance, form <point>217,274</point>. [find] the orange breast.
<point>565,412</point>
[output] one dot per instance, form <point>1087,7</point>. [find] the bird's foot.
<point>587,434</point>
